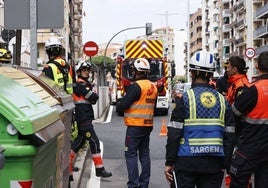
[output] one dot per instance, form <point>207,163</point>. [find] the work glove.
<point>93,98</point>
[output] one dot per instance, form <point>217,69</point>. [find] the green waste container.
<point>2,157</point>
<point>64,104</point>
<point>29,131</point>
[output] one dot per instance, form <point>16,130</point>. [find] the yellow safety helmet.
<point>5,55</point>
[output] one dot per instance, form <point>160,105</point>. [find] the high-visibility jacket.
<point>259,115</point>
<point>204,123</point>
<point>59,76</point>
<point>80,99</point>
<point>235,82</point>
<point>141,112</point>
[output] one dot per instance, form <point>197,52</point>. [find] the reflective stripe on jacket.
<point>81,99</point>
<point>59,77</point>
<point>141,112</point>
<point>204,124</point>
<point>259,115</point>
<point>235,82</point>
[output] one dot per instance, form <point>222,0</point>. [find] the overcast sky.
<point>104,18</point>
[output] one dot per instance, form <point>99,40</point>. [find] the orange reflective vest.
<point>80,99</point>
<point>141,112</point>
<point>235,82</point>
<point>259,115</point>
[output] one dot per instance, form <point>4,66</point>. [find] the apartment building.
<point>260,28</point>
<point>230,27</point>
<point>195,29</point>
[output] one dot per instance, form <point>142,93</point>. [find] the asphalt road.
<point>112,134</point>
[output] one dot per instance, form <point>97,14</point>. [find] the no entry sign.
<point>90,48</point>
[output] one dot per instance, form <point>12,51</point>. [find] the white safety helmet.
<point>142,65</point>
<point>53,42</point>
<point>82,64</point>
<point>203,61</point>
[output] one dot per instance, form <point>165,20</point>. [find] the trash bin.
<point>2,157</point>
<point>65,106</point>
<point>29,132</point>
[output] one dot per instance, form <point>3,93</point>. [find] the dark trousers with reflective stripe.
<point>242,168</point>
<point>137,146</point>
<point>86,132</point>
<point>199,180</point>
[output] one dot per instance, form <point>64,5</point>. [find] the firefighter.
<point>84,98</point>
<point>237,77</point>
<point>57,68</point>
<point>237,81</point>
<point>5,56</point>
<point>138,105</point>
<point>200,132</point>
<point>251,155</point>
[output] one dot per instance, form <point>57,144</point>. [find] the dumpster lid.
<point>31,82</point>
<point>24,109</point>
<point>47,133</point>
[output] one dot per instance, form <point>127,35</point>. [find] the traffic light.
<point>149,30</point>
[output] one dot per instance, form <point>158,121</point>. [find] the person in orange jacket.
<point>237,77</point>
<point>138,105</point>
<point>251,155</point>
<point>237,81</point>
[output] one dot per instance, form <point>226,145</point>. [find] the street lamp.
<point>148,27</point>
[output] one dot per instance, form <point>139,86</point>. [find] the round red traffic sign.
<point>250,52</point>
<point>90,48</point>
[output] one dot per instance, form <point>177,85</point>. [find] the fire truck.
<point>153,51</point>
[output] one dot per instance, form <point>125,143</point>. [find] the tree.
<point>98,60</point>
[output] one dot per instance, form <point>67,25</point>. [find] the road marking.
<point>94,181</point>
<point>109,116</point>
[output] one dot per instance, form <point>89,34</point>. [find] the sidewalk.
<point>81,162</point>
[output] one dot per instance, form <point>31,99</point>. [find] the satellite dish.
<point>24,44</point>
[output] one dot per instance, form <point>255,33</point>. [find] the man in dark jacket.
<point>201,131</point>
<point>251,155</point>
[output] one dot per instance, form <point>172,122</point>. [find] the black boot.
<point>101,172</point>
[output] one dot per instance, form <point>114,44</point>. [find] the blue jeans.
<point>137,143</point>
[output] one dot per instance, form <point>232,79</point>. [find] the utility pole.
<point>166,14</point>
<point>188,41</point>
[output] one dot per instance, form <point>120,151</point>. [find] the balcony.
<point>261,32</point>
<point>78,1</point>
<point>77,17</point>
<point>226,28</point>
<point>225,1</point>
<point>226,13</point>
<point>225,42</point>
<point>257,1</point>
<point>262,13</point>
<point>240,6</point>
<point>239,24</point>
<point>261,49</point>
<point>239,42</point>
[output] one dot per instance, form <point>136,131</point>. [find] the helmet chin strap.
<point>82,77</point>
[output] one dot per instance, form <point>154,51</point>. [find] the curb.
<point>79,163</point>
<point>81,159</point>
